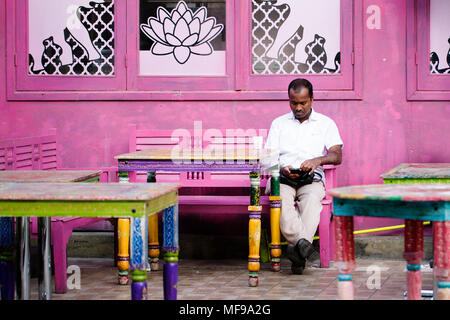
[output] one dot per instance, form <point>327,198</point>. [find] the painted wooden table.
<point>44,234</point>
<point>418,173</point>
<point>133,201</point>
<point>412,202</point>
<point>252,161</point>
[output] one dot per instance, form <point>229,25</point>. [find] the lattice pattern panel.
<point>99,22</point>
<point>266,19</point>
<point>436,66</point>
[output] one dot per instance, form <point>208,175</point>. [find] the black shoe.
<point>307,251</point>
<point>298,263</point>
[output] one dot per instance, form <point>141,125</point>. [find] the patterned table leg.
<point>123,260</point>
<point>153,242</point>
<point>6,258</point>
<point>345,256</point>
<point>275,211</point>
<point>123,233</point>
<point>171,249</point>
<point>413,255</point>
<point>441,268</point>
<point>254,229</point>
<point>139,257</point>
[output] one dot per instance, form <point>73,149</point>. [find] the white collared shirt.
<point>296,142</point>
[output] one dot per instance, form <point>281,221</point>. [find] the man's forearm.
<point>330,158</point>
<point>333,157</point>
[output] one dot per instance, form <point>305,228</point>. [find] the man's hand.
<point>334,156</point>
<point>311,165</point>
<point>287,172</point>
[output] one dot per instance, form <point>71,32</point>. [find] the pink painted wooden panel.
<point>421,85</point>
<point>177,83</point>
<point>173,88</point>
<point>18,52</point>
<point>350,38</point>
<point>426,80</point>
<point>32,153</point>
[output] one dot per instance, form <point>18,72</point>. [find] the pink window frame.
<point>17,39</point>
<point>421,84</point>
<point>130,86</point>
<point>178,83</point>
<point>345,85</point>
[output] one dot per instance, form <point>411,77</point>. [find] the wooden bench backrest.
<point>32,153</point>
<point>140,139</point>
<point>147,139</point>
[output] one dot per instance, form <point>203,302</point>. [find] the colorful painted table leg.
<point>345,255</point>
<point>138,258</point>
<point>441,268</point>
<point>171,249</point>
<point>153,242</point>
<point>45,272</point>
<point>123,260</point>
<point>275,211</point>
<point>6,258</point>
<point>413,255</point>
<point>123,233</point>
<point>254,229</point>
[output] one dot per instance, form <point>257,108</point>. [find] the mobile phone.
<point>295,171</point>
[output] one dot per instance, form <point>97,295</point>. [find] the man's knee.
<point>315,190</point>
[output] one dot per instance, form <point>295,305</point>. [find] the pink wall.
<point>380,131</point>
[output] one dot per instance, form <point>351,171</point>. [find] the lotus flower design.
<point>181,32</point>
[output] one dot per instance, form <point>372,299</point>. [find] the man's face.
<point>300,103</point>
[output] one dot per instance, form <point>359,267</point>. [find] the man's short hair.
<point>299,83</point>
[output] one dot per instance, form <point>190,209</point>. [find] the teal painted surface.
<point>413,267</point>
<point>434,211</point>
<point>444,284</point>
<point>345,277</point>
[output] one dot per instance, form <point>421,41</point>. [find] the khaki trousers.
<point>300,211</point>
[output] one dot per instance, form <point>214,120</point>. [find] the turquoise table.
<point>419,173</point>
<point>135,201</point>
<point>412,202</point>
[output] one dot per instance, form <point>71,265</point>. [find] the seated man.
<point>305,141</point>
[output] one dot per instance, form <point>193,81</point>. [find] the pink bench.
<point>34,153</point>
<point>41,153</point>
<point>192,197</point>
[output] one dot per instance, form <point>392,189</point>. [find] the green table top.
<point>394,192</point>
<point>48,175</point>
<point>86,199</point>
<point>419,171</point>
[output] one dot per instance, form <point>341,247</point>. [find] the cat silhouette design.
<point>314,18</point>
<point>48,19</point>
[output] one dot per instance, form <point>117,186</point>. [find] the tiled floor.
<point>227,280</point>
